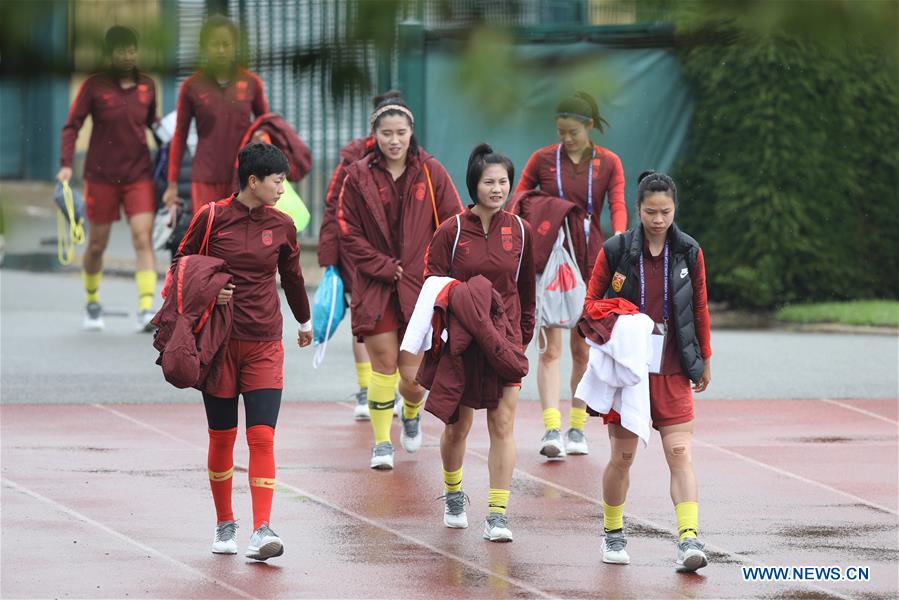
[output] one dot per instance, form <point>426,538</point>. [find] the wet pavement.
<point>107,501</point>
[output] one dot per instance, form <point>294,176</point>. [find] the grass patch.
<point>882,313</point>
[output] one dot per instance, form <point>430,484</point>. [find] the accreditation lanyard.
<point>589,186</point>
<point>643,284</point>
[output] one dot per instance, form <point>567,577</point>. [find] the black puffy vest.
<point>623,255</point>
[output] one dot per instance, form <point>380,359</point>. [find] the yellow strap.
<point>68,236</point>
<point>213,476</point>
<point>266,482</point>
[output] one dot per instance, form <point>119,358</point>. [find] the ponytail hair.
<point>480,157</point>
<point>650,182</point>
<point>582,106</point>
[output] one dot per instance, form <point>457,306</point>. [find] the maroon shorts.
<point>104,201</point>
<point>250,365</point>
<point>202,193</point>
<point>670,401</point>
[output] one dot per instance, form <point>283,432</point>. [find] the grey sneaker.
<point>576,442</point>
<point>551,444</point>
<point>690,556</point>
<point>264,544</point>
<point>613,551</point>
<point>454,515</point>
<point>361,412</point>
<point>382,456</point>
<point>93,317</point>
<point>144,319</point>
<point>496,528</point>
<point>225,541</point>
<point>410,436</point>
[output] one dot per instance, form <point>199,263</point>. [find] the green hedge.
<point>791,177</point>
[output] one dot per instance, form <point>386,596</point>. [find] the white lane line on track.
<point>369,521</point>
<point>862,411</point>
<point>129,540</point>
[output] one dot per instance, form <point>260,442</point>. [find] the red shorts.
<point>250,365</point>
<point>104,200</point>
<point>670,401</point>
<point>202,193</point>
<point>391,320</point>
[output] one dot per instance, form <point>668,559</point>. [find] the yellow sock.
<point>452,480</point>
<point>380,405</point>
<point>552,418</point>
<point>146,289</point>
<point>578,418</point>
<point>687,519</point>
<point>497,501</point>
<point>410,411</point>
<point>363,374</point>
<point>92,285</point>
<point>612,517</point>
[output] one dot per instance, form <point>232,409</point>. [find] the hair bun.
<point>644,175</point>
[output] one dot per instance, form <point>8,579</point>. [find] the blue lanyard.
<point>589,178</point>
<point>643,283</point>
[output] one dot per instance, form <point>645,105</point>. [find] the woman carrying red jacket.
<point>582,172</point>
<point>660,269</point>
<point>329,252</point>
<point>486,240</point>
<point>389,206</point>
<point>255,240</point>
<point>224,99</point>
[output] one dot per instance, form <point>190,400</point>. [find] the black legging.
<point>261,408</point>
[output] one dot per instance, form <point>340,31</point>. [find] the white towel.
<point>617,376</point>
<point>419,331</point>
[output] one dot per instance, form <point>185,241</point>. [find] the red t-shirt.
<point>118,151</point>
<point>254,245</point>
<point>223,114</point>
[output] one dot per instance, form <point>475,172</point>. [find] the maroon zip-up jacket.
<point>375,249</point>
<point>493,255</point>
<point>608,179</point>
<point>254,245</point>
<point>223,115</point>
<point>329,234</point>
<point>118,151</point>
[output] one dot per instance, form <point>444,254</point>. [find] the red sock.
<point>220,462</point>
<point>261,440</point>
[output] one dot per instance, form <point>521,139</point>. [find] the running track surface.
<point>112,501</point>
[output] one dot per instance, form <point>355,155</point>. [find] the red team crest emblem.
<point>595,168</point>
<point>506,233</point>
<point>418,191</point>
<point>242,90</point>
<point>143,93</point>
<point>267,237</point>
<point>618,282</point>
<point>544,227</point>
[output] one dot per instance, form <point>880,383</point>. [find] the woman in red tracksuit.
<point>582,172</point>
<point>255,240</point>
<point>389,206</point>
<point>486,240</point>
<point>224,99</point>
<point>329,252</point>
<point>660,269</point>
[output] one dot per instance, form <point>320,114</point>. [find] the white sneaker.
<point>551,444</point>
<point>454,515</point>
<point>410,434</point>
<point>613,551</point>
<point>93,317</point>
<point>496,528</point>
<point>225,540</point>
<point>690,556</point>
<point>397,406</point>
<point>264,544</point>
<point>576,442</point>
<point>361,411</point>
<point>382,456</point>
<point>144,319</point>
